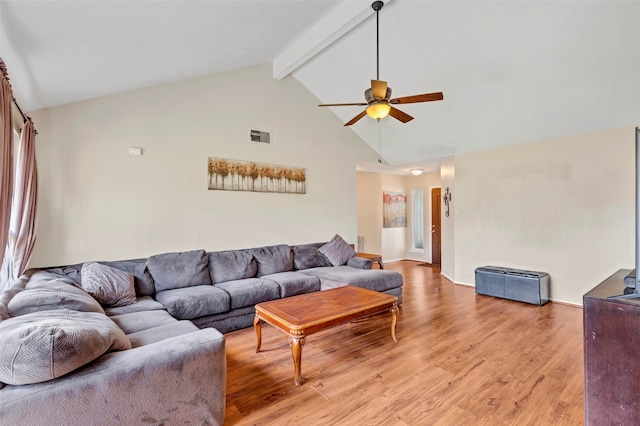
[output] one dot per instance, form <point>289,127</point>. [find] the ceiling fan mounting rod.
<point>377,5</point>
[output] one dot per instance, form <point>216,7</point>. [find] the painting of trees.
<point>234,175</point>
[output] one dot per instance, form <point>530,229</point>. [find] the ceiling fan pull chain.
<point>379,142</point>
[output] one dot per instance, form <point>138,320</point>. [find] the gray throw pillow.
<point>307,256</point>
<point>44,345</point>
<point>52,295</point>
<point>109,286</point>
<point>141,277</point>
<point>337,251</point>
<point>179,270</point>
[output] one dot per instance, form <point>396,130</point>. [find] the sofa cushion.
<point>307,256</point>
<point>69,271</point>
<point>144,303</point>
<point>273,259</point>
<point>337,251</point>
<point>137,321</point>
<point>156,334</point>
<point>43,278</point>
<point>41,346</point>
<point>231,265</point>
<point>138,268</point>
<point>194,302</point>
<point>110,286</point>
<point>250,291</point>
<point>293,283</point>
<point>373,279</point>
<point>359,263</point>
<point>228,321</point>
<point>52,295</point>
<point>179,270</point>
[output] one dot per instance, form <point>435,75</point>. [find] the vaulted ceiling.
<point>511,72</point>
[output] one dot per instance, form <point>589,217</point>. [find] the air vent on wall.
<point>260,136</point>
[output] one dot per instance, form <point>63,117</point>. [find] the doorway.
<point>436,234</point>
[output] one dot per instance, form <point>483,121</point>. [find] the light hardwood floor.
<point>461,359</point>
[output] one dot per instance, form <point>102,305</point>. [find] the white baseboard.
<point>417,260</point>
<point>447,277</point>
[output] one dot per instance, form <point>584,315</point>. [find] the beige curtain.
<point>6,163</point>
<point>22,227</point>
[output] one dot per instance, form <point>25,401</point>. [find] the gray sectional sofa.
<point>162,358</point>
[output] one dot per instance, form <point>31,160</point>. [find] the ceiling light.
<point>378,110</point>
<point>416,172</point>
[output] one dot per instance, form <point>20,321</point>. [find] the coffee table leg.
<point>394,321</point>
<point>257,325</point>
<point>296,351</point>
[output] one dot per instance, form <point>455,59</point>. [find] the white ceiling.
<point>511,72</point>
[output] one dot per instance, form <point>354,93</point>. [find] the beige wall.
<point>564,206</point>
<point>369,198</point>
<point>98,202</point>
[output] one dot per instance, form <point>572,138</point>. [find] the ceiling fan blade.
<point>427,97</point>
<point>353,104</point>
<point>356,118</point>
<point>399,115</point>
<point>379,88</point>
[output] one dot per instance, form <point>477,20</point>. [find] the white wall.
<point>394,240</point>
<point>564,206</point>
<point>426,182</point>
<point>96,202</point>
<point>448,180</point>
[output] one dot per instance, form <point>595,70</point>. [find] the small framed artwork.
<point>394,213</point>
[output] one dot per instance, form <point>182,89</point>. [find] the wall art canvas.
<point>394,213</point>
<point>235,175</point>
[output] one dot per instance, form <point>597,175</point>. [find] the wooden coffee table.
<point>300,316</point>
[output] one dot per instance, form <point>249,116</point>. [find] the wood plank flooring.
<point>461,359</point>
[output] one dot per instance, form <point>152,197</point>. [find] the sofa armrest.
<point>359,263</point>
<point>180,379</point>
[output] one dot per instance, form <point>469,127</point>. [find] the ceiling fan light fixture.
<point>416,172</point>
<point>378,110</point>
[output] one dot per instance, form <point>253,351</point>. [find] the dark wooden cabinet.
<point>611,355</point>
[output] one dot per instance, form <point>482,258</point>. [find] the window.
<point>417,222</point>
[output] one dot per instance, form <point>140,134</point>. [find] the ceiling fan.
<point>378,97</point>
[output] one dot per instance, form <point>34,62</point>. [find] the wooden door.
<point>436,236</point>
